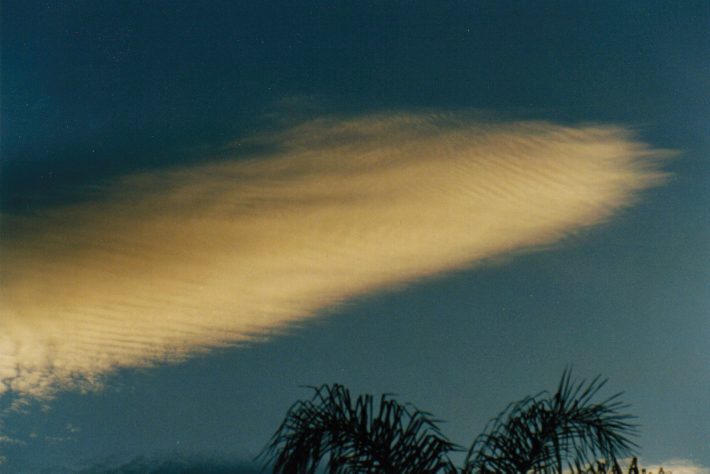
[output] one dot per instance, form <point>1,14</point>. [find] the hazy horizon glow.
<point>677,466</point>
<point>172,262</point>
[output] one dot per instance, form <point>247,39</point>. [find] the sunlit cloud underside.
<point>173,262</point>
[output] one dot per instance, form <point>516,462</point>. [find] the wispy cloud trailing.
<point>175,464</point>
<point>170,262</point>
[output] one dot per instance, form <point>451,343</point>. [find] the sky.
<point>207,206</point>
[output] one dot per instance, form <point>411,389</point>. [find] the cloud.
<point>164,264</point>
<point>678,466</point>
<point>175,465</point>
<point>4,439</point>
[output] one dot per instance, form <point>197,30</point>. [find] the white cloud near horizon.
<point>172,262</point>
<point>677,466</point>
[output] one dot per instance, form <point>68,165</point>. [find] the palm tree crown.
<point>353,435</point>
<point>544,433</point>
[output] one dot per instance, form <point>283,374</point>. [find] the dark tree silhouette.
<point>546,433</point>
<point>543,434</point>
<point>352,435</point>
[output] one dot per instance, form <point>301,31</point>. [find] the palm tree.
<point>355,436</point>
<point>544,433</point>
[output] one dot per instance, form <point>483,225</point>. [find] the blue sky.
<point>449,201</point>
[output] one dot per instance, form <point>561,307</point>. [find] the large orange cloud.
<point>171,262</point>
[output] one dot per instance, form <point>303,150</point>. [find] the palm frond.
<point>544,433</point>
<point>353,435</point>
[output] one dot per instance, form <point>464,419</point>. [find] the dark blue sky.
<point>95,90</point>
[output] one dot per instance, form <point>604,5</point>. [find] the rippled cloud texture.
<point>168,263</point>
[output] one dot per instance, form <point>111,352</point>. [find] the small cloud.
<point>173,465</point>
<point>4,439</point>
<point>72,428</point>
<point>677,466</point>
<point>51,440</point>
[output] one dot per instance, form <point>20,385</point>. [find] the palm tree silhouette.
<point>545,433</point>
<point>351,435</point>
